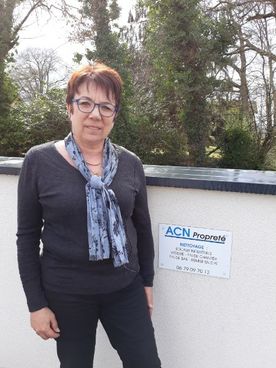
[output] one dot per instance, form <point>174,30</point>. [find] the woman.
<point>85,199</point>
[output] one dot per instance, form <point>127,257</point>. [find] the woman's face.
<point>91,128</point>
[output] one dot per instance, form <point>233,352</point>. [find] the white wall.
<point>200,321</point>
<point>205,322</point>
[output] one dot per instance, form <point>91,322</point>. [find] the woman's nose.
<point>95,112</point>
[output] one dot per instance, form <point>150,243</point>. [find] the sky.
<point>53,33</point>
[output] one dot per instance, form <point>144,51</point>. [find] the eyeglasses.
<point>87,106</point>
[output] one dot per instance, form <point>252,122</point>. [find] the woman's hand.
<point>45,324</point>
<point>149,296</point>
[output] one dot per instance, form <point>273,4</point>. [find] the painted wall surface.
<point>200,321</point>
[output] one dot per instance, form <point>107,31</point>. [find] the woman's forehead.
<point>91,87</point>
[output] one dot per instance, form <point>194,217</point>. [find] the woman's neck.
<point>90,150</point>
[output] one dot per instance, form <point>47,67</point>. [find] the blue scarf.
<point>106,232</point>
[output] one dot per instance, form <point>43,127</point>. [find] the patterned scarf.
<point>104,221</point>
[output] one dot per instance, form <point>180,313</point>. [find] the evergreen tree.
<point>186,48</point>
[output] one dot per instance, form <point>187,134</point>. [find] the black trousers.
<point>124,316</point>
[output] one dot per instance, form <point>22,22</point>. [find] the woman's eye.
<point>107,107</point>
<point>85,103</point>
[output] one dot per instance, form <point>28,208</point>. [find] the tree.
<point>45,118</point>
<point>9,29</point>
<point>37,71</point>
<point>186,49</point>
<point>239,149</point>
<point>97,27</point>
<point>14,15</point>
<point>11,128</point>
<point>253,60</point>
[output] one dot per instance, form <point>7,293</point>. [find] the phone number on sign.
<point>192,269</point>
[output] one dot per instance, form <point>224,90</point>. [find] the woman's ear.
<point>116,113</point>
<point>69,109</point>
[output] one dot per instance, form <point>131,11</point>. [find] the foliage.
<point>250,74</point>
<point>28,124</point>
<point>45,118</point>
<point>13,16</point>
<point>12,135</point>
<point>270,162</point>
<point>10,128</point>
<point>97,28</point>
<point>9,91</point>
<point>185,47</point>
<point>154,143</point>
<point>239,150</point>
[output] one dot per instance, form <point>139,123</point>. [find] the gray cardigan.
<point>52,211</point>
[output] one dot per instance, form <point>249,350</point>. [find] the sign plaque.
<point>195,250</point>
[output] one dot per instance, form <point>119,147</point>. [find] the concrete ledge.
<point>10,165</point>
<point>228,180</point>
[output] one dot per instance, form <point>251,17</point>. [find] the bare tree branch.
<point>259,50</point>
<point>29,12</point>
<point>261,16</point>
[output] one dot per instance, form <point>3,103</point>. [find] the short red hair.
<point>103,76</point>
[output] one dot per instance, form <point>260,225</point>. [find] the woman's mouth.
<point>93,128</point>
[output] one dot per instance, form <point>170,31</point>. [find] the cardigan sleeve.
<point>29,218</point>
<point>142,223</point>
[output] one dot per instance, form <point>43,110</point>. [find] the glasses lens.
<point>85,105</point>
<point>107,110</point>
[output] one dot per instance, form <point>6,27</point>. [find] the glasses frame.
<point>77,100</point>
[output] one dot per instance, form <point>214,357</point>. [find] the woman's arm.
<point>142,223</point>
<point>29,233</point>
